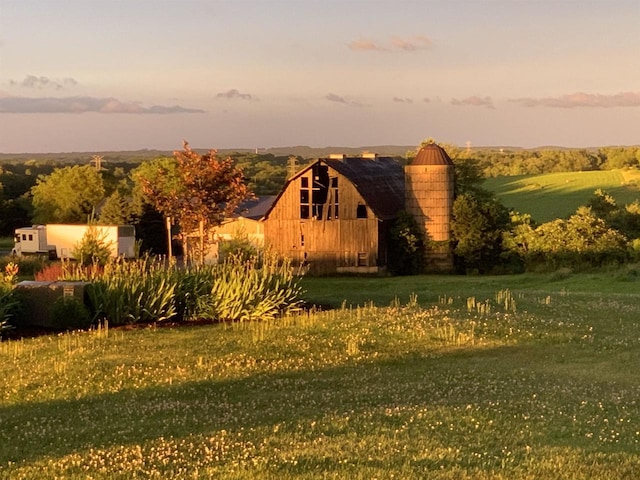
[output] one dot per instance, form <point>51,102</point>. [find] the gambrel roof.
<point>380,182</point>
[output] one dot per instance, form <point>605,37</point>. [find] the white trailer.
<point>60,241</point>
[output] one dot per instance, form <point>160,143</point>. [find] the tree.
<point>67,195</point>
<point>406,246</point>
<point>477,227</point>
<point>199,191</point>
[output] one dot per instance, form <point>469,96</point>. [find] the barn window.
<point>305,198</point>
<point>319,194</point>
<point>319,190</point>
<point>361,211</point>
<point>333,198</point>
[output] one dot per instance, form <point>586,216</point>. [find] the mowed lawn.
<point>527,377</point>
<point>558,195</point>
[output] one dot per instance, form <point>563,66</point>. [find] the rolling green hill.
<point>558,195</point>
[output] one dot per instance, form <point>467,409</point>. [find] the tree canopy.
<point>67,195</point>
<point>194,189</point>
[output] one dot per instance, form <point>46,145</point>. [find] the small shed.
<point>245,224</point>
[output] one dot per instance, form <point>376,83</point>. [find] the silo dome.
<point>432,154</point>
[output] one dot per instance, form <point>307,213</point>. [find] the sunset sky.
<point>94,75</point>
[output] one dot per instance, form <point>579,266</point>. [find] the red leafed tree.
<point>204,191</point>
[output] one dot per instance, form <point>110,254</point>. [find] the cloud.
<point>409,44</point>
<point>32,81</point>
<point>233,94</point>
<point>412,44</point>
<point>82,105</point>
<point>402,100</point>
<point>473,102</point>
<point>581,99</point>
<point>332,97</point>
<point>366,46</point>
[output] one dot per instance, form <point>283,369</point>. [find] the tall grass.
<point>257,289</point>
<point>148,290</point>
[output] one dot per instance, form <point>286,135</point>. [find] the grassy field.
<point>557,195</point>
<point>525,377</point>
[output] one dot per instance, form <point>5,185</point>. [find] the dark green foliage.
<point>70,313</point>
<point>624,219</point>
<point>9,308</point>
<point>477,227</point>
<point>582,241</point>
<point>406,252</point>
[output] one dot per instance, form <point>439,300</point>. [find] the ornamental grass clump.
<point>255,289</point>
<point>140,291</point>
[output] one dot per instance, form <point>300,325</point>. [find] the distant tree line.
<point>497,163</point>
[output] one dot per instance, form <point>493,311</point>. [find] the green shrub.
<point>70,313</point>
<point>238,245</point>
<point>94,247</point>
<point>406,246</point>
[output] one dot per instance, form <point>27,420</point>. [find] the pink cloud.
<point>473,101</point>
<point>581,99</point>
<point>366,46</point>
<point>409,44</point>
<point>412,44</point>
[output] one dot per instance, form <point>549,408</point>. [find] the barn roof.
<point>432,154</point>
<point>379,180</point>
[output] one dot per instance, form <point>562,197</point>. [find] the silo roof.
<point>432,154</point>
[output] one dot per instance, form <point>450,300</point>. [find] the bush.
<point>406,246</point>
<point>94,247</point>
<point>70,313</point>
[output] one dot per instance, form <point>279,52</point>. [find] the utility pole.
<point>97,160</point>
<point>292,165</point>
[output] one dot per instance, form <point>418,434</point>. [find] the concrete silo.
<point>429,184</point>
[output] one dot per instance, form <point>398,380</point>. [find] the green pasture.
<point>513,377</point>
<point>558,195</point>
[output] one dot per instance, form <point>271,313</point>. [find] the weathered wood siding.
<point>328,245</point>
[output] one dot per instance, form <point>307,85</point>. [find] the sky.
<point>100,75</point>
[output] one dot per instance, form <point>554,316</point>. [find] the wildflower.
<point>10,272</point>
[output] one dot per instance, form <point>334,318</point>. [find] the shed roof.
<point>432,154</point>
<point>379,181</point>
<point>256,208</point>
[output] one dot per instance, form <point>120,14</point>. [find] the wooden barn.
<point>334,214</point>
